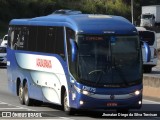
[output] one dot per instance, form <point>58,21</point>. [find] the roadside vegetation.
<point>10,9</point>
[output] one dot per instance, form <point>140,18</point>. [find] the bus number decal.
<point>90,89</point>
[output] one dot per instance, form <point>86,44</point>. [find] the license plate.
<point>111,104</point>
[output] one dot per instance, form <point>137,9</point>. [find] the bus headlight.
<point>137,92</point>
<point>140,102</point>
<point>85,92</point>
<point>81,91</point>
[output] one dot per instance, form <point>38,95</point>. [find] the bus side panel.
<point>45,72</point>
<point>16,75</point>
<point>11,71</point>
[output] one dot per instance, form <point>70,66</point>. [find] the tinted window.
<point>147,36</point>
<point>41,38</point>
<point>32,38</point>
<point>59,41</point>
<point>70,34</point>
<point>50,40</point>
<point>47,39</point>
<point>25,37</point>
<point>9,35</point>
<point>15,37</point>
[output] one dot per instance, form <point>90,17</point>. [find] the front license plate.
<point>111,104</point>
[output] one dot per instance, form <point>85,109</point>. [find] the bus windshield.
<point>108,61</point>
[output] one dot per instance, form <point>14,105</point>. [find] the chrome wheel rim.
<point>21,93</point>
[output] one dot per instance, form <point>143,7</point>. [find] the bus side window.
<point>10,30</point>
<point>60,42</point>
<point>22,38</point>
<point>25,36</point>
<point>41,38</point>
<point>15,38</point>
<point>32,41</point>
<point>50,40</point>
<point>70,34</point>
<point>11,38</point>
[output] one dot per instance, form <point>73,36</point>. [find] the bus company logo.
<point>43,63</point>
<point>112,97</point>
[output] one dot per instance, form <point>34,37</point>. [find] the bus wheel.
<point>28,101</point>
<point>67,109</point>
<point>21,94</point>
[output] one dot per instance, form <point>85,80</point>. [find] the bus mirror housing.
<point>147,51</point>
<point>73,49</point>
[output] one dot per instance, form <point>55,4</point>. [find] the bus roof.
<point>83,23</point>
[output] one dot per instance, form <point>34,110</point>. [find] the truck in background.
<point>150,38</point>
<point>150,16</point>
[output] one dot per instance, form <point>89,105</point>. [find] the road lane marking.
<point>9,108</point>
<point>1,103</point>
<point>19,107</point>
<point>66,118</point>
<point>41,119</point>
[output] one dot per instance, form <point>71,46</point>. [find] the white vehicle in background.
<point>3,55</point>
<point>0,40</point>
<point>149,37</point>
<point>150,16</point>
<point>4,40</point>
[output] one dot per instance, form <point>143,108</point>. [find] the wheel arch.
<point>17,85</point>
<point>24,82</point>
<point>63,90</point>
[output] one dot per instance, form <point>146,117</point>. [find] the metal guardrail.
<point>158,40</point>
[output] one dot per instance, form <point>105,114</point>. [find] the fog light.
<point>140,102</point>
<point>137,92</point>
<point>81,102</point>
<point>73,96</point>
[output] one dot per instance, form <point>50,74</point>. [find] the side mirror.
<point>147,51</point>
<point>73,49</point>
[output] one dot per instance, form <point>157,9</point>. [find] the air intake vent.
<point>67,12</point>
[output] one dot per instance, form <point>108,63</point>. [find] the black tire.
<point>67,109</point>
<point>27,101</point>
<point>21,94</point>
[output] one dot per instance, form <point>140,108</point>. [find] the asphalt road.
<point>10,106</point>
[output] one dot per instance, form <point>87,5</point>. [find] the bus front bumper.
<point>94,103</point>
